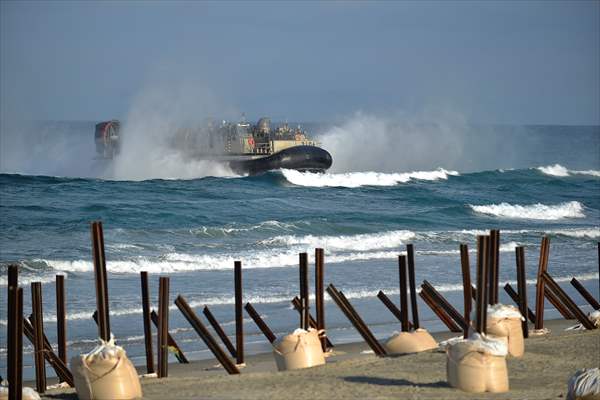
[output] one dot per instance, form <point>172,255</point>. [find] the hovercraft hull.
<point>301,158</point>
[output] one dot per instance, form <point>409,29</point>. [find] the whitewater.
<point>192,227</point>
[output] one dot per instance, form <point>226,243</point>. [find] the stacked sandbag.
<point>504,323</point>
<point>300,349</point>
<point>105,374</point>
<point>584,385</point>
<point>410,342</point>
<point>27,394</point>
<point>477,365</point>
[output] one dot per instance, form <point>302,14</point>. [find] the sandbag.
<point>504,322</point>
<point>27,393</point>
<point>300,349</point>
<point>477,365</point>
<point>594,317</point>
<point>105,374</point>
<point>410,342</point>
<point>584,385</point>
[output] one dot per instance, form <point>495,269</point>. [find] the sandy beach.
<point>353,373</point>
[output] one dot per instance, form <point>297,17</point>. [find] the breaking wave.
<point>363,242</point>
<point>571,209</point>
<point>559,170</point>
<point>358,179</point>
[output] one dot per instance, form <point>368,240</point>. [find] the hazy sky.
<point>493,62</point>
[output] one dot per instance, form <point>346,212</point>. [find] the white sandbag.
<point>410,342</point>
<point>504,322</point>
<point>594,317</point>
<point>477,365</point>
<point>300,349</point>
<point>584,385</point>
<point>105,374</point>
<point>28,393</point>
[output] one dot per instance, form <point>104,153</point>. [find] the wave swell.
<point>561,171</point>
<point>539,211</point>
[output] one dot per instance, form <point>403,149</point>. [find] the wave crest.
<point>561,171</point>
<point>358,179</point>
<point>539,211</point>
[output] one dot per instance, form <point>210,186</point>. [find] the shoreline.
<point>351,372</point>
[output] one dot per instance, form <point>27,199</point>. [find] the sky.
<point>509,62</point>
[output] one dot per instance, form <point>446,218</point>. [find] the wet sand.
<point>350,373</point>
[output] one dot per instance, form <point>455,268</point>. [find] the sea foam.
<point>571,209</point>
<point>358,179</point>
<point>361,242</point>
<point>561,171</point>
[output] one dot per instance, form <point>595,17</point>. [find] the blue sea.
<point>190,221</point>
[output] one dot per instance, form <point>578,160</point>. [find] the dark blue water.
<point>194,229</point>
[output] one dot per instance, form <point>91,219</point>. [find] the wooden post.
<point>12,331</point>
<point>163,327</point>
<point>61,320</point>
<point>100,280</point>
<point>515,297</point>
<point>566,300</point>
<point>260,323</point>
<point>481,303</point>
<point>220,332</point>
<point>59,366</point>
<point>17,386</point>
<point>147,323</point>
<point>444,304</point>
<point>356,321</point>
<point>304,324</point>
<point>539,292</point>
<point>410,253</point>
<point>38,336</point>
<point>522,287</point>
<point>201,330</point>
<point>170,341</point>
<point>403,297</point>
<point>392,307</point>
<point>466,277</point>
<point>239,314</point>
<point>494,266</point>
<point>585,294</point>
<point>441,314</point>
<point>319,294</point>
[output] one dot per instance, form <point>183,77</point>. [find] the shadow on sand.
<point>393,382</point>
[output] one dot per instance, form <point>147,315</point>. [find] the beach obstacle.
<point>220,332</point>
<point>467,292</point>
<point>38,337</point>
<point>15,334</point>
<point>239,315</point>
<point>515,297</point>
<point>100,279</point>
<point>439,312</point>
<point>408,341</point>
<point>585,294</point>
<point>301,348</point>
<point>494,265</point>
<point>567,301</point>
<point>260,323</point>
<point>170,341</point>
<point>311,321</point>
<point>147,322</point>
<point>442,303</point>
<point>478,363</point>
<point>205,335</point>
<point>391,306</point>
<point>163,327</point>
<point>522,288</point>
<point>355,319</point>
<point>539,290</point>
<point>320,299</point>
<point>61,318</point>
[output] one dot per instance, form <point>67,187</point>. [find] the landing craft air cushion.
<point>245,148</point>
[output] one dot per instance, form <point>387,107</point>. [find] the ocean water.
<point>193,230</point>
